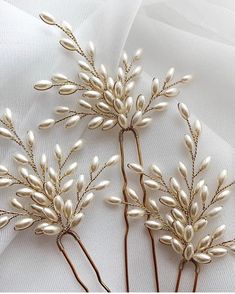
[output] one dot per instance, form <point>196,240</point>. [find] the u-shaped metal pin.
<point>78,240</point>
<point>181,268</point>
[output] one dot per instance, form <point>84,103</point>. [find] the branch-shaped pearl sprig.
<point>41,196</point>
<point>106,100</point>
<point>191,205</point>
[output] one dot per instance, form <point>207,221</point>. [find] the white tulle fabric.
<point>193,36</point>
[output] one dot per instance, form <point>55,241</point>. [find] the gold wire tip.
<point>191,205</point>
<point>41,199</point>
<point>107,101</point>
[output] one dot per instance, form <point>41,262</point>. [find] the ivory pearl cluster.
<point>106,100</point>
<point>41,197</point>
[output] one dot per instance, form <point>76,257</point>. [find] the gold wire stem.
<point>62,249</point>
<point>196,274</point>
<point>78,240</point>
<point>197,271</point>
<point>153,243</point>
<point>125,198</point>
<point>181,267</point>
<point>76,237</point>
<point>124,190</point>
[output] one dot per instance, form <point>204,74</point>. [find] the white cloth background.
<point>193,36</point>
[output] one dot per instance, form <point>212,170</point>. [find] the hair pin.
<point>191,206</point>
<point>108,103</point>
<point>41,200</point>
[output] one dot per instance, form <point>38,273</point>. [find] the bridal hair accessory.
<point>41,200</point>
<point>190,206</point>
<point>108,103</point>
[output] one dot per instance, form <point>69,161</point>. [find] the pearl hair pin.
<point>190,206</point>
<point>41,200</point>
<point>108,103</point>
